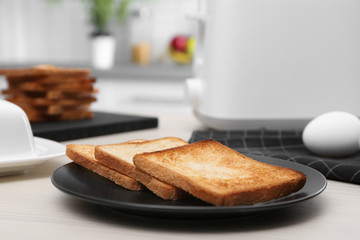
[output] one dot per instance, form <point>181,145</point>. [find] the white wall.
<point>36,31</point>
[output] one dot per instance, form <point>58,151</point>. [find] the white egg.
<point>333,134</point>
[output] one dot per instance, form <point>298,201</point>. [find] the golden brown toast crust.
<point>84,156</point>
<point>50,80</point>
<point>52,110</point>
<point>44,70</point>
<point>117,156</point>
<point>220,175</point>
<point>64,86</point>
<point>47,102</point>
<point>63,116</point>
<point>50,94</point>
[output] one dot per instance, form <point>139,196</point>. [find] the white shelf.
<point>165,71</point>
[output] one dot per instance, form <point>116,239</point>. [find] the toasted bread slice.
<point>120,156</point>
<point>48,102</point>
<point>136,140</point>
<point>68,115</point>
<point>52,110</point>
<point>34,86</point>
<point>52,70</point>
<point>84,156</point>
<point>50,79</point>
<point>51,94</point>
<point>44,70</point>
<point>220,175</point>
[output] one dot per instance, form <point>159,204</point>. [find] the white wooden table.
<point>32,208</point>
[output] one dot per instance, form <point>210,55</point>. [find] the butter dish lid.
<point>19,149</point>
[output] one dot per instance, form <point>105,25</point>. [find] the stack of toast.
<point>173,169</point>
<point>49,93</point>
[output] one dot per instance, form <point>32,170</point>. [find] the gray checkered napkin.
<point>286,145</point>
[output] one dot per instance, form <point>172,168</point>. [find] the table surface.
<point>32,208</point>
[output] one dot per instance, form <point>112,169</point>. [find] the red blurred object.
<point>179,43</point>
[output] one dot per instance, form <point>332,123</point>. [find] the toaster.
<point>274,63</point>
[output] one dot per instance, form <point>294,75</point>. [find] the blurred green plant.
<point>100,13</point>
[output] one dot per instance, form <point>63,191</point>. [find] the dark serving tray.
<point>101,124</point>
<point>91,187</point>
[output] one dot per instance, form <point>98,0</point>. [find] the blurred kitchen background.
<point>143,76</point>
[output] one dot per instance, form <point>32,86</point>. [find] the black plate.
<point>86,185</point>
